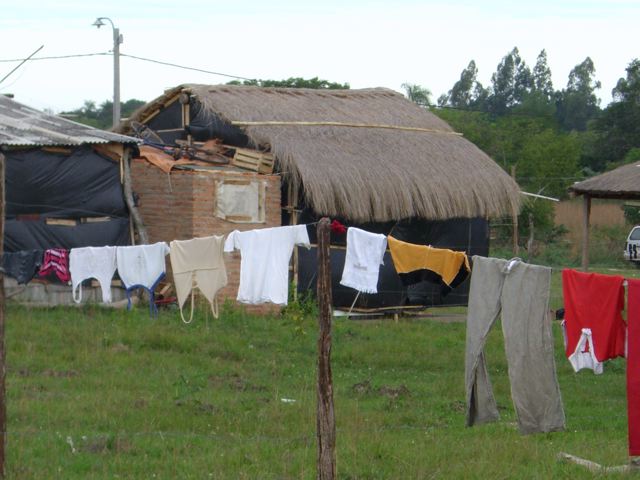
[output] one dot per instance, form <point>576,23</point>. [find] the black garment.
<point>424,275</point>
<point>23,265</point>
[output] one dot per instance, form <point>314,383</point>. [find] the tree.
<point>577,104</point>
<point>294,82</point>
<point>618,128</point>
<point>101,117</point>
<point>542,77</point>
<point>467,93</point>
<point>510,83</point>
<point>417,94</point>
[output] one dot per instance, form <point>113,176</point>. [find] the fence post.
<point>326,422</point>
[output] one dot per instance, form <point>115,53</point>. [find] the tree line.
<point>548,137</point>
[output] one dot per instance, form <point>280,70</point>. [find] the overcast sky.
<point>365,43</point>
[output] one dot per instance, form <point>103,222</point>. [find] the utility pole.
<point>117,40</point>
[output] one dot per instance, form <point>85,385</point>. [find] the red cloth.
<point>56,262</point>
<point>337,227</point>
<point>595,301</point>
<point>633,367</point>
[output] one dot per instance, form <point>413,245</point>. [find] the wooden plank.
<point>261,162</point>
<point>239,218</point>
<point>237,182</point>
<point>95,219</point>
<point>65,222</point>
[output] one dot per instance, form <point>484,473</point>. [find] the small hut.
<point>623,183</point>
<point>369,157</point>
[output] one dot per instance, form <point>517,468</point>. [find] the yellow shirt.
<point>408,257</point>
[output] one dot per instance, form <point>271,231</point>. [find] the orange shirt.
<point>409,257</point>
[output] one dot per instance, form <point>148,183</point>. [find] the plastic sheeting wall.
<point>42,184</point>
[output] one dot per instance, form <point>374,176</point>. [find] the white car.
<point>632,248</point>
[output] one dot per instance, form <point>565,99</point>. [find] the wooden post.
<point>586,213</point>
<point>3,368</point>
<point>326,422</point>
<point>292,201</point>
<point>128,197</point>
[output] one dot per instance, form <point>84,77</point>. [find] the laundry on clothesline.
<point>198,264</point>
<point>633,366</point>
<point>142,266</point>
<point>505,286</point>
<point>593,320</point>
<point>264,266</point>
<point>56,263</point>
<point>92,262</point>
<point>264,261</point>
<point>23,265</point>
<point>418,263</point>
<point>365,254</point>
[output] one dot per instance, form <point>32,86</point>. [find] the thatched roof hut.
<point>366,155</point>
<point>623,182</point>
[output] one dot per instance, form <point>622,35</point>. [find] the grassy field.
<point>96,393</point>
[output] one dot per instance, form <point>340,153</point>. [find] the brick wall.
<point>181,206</point>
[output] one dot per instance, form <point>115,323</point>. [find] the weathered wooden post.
<point>3,369</point>
<point>128,197</point>
<point>586,213</point>
<point>326,421</point>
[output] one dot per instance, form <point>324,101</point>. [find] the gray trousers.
<point>522,293</point>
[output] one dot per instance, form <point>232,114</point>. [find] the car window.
<point>635,234</point>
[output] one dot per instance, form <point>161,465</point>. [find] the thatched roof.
<point>363,172</point>
<point>623,182</point>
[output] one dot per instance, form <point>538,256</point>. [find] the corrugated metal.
<point>21,125</point>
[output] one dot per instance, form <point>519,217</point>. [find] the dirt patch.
<point>362,387</point>
<point>102,445</point>
<point>394,392</point>
<point>119,348</point>
<point>235,382</point>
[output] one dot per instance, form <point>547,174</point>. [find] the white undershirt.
<point>264,265</point>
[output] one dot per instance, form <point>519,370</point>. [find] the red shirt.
<point>595,301</point>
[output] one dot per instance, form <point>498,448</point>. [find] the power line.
<point>185,67</point>
<point>57,57</point>
<point>135,57</point>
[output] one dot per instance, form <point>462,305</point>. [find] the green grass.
<point>96,393</point>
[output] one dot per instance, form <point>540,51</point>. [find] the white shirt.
<point>264,265</point>
<point>365,253</point>
<point>142,265</point>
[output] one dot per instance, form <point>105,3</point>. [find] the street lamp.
<point>117,40</point>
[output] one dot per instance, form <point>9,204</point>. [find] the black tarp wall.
<point>43,184</point>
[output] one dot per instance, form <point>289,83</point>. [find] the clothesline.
<point>264,253</point>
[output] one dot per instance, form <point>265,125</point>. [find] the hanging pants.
<point>521,291</point>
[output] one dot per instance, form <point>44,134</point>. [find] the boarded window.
<point>241,201</point>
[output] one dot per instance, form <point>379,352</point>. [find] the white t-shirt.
<point>365,253</point>
<point>264,265</point>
